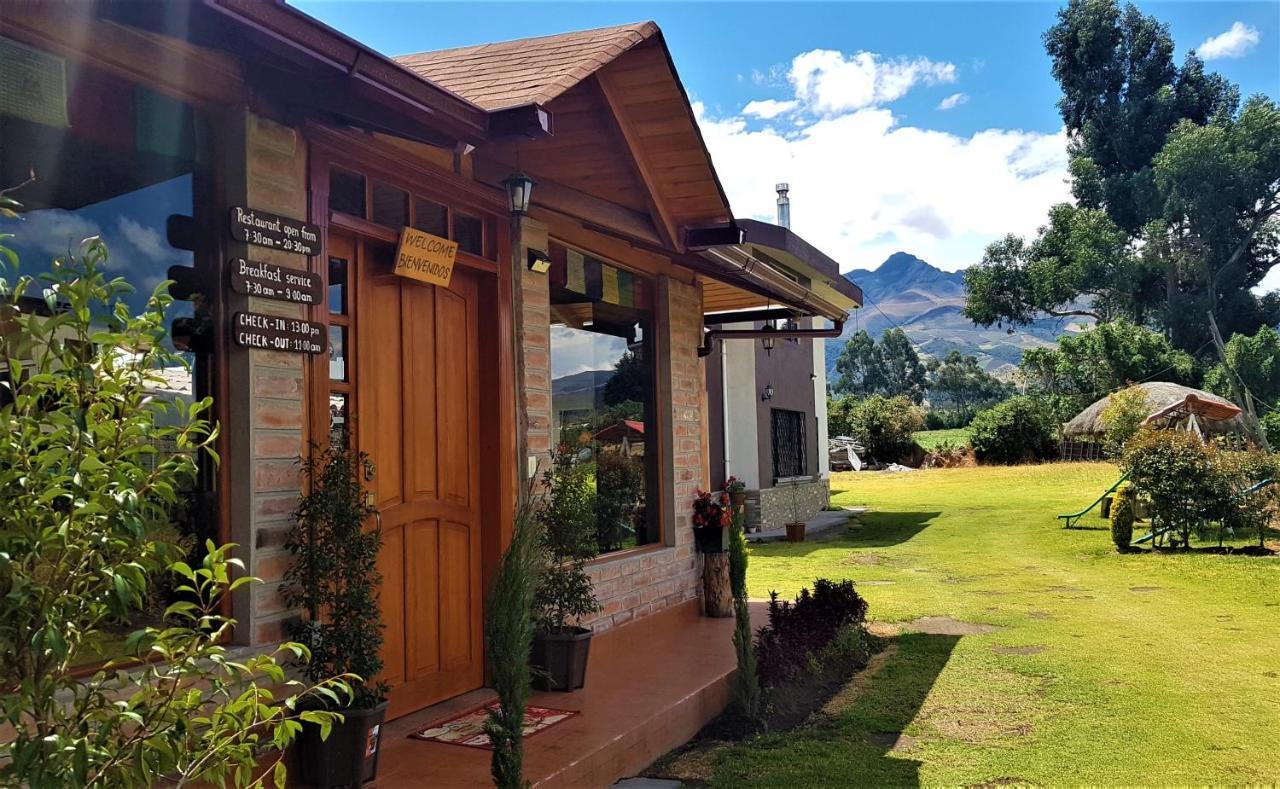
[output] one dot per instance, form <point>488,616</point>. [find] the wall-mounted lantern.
<point>767,394</point>
<point>767,342</point>
<point>519,189</point>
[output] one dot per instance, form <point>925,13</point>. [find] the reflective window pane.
<point>337,286</point>
<point>346,192</point>
<point>338,353</point>
<point>468,231</point>
<point>339,413</point>
<point>390,206</point>
<point>602,401</point>
<point>430,217</point>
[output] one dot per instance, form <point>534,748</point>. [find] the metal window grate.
<point>789,457</point>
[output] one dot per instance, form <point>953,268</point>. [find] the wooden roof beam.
<point>626,129</point>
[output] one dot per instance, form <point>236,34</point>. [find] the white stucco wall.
<point>741,439</point>
<point>820,398</point>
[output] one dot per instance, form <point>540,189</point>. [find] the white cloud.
<point>768,108</point>
<point>827,81</point>
<point>953,101</point>
<point>146,240</point>
<point>1234,43</point>
<point>52,233</point>
<point>864,186</point>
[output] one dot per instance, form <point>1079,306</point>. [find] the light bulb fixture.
<point>767,393</point>
<point>767,342</point>
<point>539,263</point>
<point>519,189</point>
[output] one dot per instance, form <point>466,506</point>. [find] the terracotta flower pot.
<point>795,532</point>
<point>738,499</point>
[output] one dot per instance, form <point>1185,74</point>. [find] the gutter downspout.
<point>710,337</point>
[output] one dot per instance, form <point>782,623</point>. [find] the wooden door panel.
<point>383,383</point>
<point>456,593</point>
<point>420,449</point>
<point>391,599</point>
<point>422,568</point>
<point>456,441</point>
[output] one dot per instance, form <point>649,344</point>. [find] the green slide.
<point>1074,518</point>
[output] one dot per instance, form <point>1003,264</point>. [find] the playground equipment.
<point>1072,519</point>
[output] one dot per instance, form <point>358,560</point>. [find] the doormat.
<point>468,728</point>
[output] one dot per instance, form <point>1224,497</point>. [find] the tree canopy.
<point>1177,188</point>
<point>891,367</point>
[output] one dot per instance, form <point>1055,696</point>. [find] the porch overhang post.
<point>530,320</point>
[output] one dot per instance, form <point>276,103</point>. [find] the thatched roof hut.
<point>1166,402</point>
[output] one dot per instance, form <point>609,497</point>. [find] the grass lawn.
<point>1102,668</point>
<point>932,439</point>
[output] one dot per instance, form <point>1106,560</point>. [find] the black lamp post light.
<point>519,189</point>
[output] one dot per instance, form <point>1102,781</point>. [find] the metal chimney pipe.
<point>784,206</point>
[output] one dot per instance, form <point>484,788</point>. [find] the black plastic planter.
<point>559,660</point>
<point>711,539</point>
<point>349,757</point>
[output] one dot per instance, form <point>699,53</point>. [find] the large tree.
<point>957,382</point>
<point>890,368</point>
<point>1176,191</point>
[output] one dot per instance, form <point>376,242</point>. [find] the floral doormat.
<point>468,728</point>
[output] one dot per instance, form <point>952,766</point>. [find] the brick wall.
<point>638,585</point>
<point>268,409</point>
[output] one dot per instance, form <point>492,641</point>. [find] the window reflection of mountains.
<point>580,392</point>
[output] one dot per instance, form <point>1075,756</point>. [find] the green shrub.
<point>1244,510</point>
<point>1270,422</point>
<point>569,541</point>
<point>885,426</point>
<point>1018,430</point>
<point>1176,471</point>
<point>91,464</point>
<point>1122,418</point>
<point>1123,513</point>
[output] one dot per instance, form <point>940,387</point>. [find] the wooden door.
<point>417,415</point>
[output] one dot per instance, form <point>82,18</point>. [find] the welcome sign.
<point>425,257</point>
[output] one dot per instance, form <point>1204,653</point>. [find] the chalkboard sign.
<point>274,333</point>
<point>269,281</point>
<point>273,231</point>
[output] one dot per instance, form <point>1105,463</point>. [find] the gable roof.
<point>528,70</point>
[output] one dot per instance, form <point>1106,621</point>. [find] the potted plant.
<point>564,595</point>
<point>334,580</point>
<point>737,490</point>
<point>795,529</point>
<point>711,519</point>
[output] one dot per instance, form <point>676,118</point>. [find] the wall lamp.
<point>519,189</point>
<point>767,394</point>
<point>766,341</point>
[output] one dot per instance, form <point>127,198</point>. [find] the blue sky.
<point>876,160</point>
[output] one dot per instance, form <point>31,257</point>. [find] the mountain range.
<point>926,303</point>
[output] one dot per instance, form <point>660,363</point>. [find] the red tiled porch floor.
<point>651,685</point>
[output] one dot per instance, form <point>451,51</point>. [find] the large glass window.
<point>602,398</point>
<point>92,154</point>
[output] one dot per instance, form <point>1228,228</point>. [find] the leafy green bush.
<point>1245,510</point>
<point>91,463</point>
<point>1123,513</point>
<point>745,697</point>
<point>1176,471</point>
<point>1018,430</point>
<point>1122,418</point>
<point>798,632</point>
<point>885,426</point>
<point>568,530</point>
<point>334,575</point>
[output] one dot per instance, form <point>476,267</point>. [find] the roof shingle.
<point>528,70</point>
